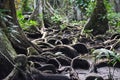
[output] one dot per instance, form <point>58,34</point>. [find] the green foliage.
<point>25,6</point>
<point>90,8</point>
<point>41,15</point>
<point>109,6</point>
<point>59,21</point>
<point>25,24</point>
<point>82,4</point>
<point>87,33</point>
<point>104,53</point>
<point>71,1</point>
<point>110,55</point>
<point>92,3</point>
<point>114,19</point>
<point>56,19</point>
<point>63,26</point>
<point>77,23</point>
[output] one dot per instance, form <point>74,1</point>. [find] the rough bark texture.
<point>98,21</point>
<point>11,37</point>
<point>7,53</point>
<point>15,33</point>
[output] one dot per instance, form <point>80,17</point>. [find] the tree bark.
<point>38,13</point>
<point>117,5</point>
<point>15,33</point>
<point>7,53</point>
<point>11,37</point>
<point>98,21</point>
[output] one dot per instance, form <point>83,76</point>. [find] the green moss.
<point>6,47</point>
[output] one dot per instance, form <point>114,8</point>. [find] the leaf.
<point>100,53</point>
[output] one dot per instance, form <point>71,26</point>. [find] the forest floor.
<point>77,45</point>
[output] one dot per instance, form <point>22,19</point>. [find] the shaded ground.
<point>68,53</point>
<point>71,36</point>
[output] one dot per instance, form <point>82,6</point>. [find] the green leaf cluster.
<point>105,53</point>
<point>56,19</point>
<point>114,19</point>
<point>25,24</point>
<point>82,4</point>
<point>63,26</point>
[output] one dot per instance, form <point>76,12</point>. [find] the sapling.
<point>111,56</point>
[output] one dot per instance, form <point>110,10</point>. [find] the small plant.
<point>87,33</point>
<point>56,19</point>
<point>90,7</point>
<point>63,26</point>
<point>112,57</point>
<point>82,4</point>
<point>25,24</point>
<point>114,20</point>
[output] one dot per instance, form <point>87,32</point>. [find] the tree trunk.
<point>117,5</point>
<point>15,33</point>
<point>11,37</point>
<point>7,53</point>
<point>38,12</point>
<point>78,15</point>
<point>98,22</point>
